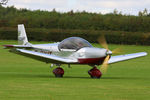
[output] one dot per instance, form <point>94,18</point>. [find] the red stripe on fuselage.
<point>96,61</point>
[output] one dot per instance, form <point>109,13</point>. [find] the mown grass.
<point>23,78</point>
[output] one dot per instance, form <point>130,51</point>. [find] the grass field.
<point>23,78</point>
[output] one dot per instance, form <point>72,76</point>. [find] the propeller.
<point>103,43</point>
<point>117,51</point>
<point>105,64</point>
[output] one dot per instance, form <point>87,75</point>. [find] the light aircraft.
<point>73,50</point>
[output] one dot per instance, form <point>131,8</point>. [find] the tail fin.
<point>22,37</point>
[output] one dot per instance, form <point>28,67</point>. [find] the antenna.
<point>3,2</point>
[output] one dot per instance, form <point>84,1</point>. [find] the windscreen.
<point>75,43</point>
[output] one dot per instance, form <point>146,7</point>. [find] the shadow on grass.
<point>124,78</point>
<point>34,75</point>
<point>50,76</point>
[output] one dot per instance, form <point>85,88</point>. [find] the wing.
<point>44,57</point>
<point>119,58</point>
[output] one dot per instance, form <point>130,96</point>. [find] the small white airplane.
<point>73,50</point>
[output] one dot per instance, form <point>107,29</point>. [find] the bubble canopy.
<point>74,43</point>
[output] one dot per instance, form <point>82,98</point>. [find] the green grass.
<point>23,78</point>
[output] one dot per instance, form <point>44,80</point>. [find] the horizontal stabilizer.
<point>17,46</point>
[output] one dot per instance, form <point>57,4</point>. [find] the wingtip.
<point>145,53</point>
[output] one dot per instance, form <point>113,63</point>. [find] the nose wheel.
<point>58,72</point>
<point>95,73</point>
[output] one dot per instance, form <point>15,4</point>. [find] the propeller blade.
<point>117,51</point>
<point>102,42</point>
<point>105,64</point>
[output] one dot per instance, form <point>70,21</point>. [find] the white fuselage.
<point>82,55</point>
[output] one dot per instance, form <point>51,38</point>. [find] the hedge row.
<point>113,37</point>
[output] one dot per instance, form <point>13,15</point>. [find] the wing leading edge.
<point>44,57</point>
<point>119,58</point>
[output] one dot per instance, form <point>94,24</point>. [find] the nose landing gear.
<point>95,73</point>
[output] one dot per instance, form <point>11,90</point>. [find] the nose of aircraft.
<point>89,52</point>
<point>109,52</point>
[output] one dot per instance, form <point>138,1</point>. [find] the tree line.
<point>115,21</point>
<point>55,26</point>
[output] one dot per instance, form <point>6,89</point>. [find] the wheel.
<point>58,72</point>
<point>95,73</point>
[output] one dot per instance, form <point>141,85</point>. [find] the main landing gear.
<point>95,73</point>
<point>58,72</point>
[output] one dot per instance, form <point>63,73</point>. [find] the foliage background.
<point>55,26</point>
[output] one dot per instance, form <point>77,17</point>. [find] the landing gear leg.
<point>58,72</point>
<point>95,73</point>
